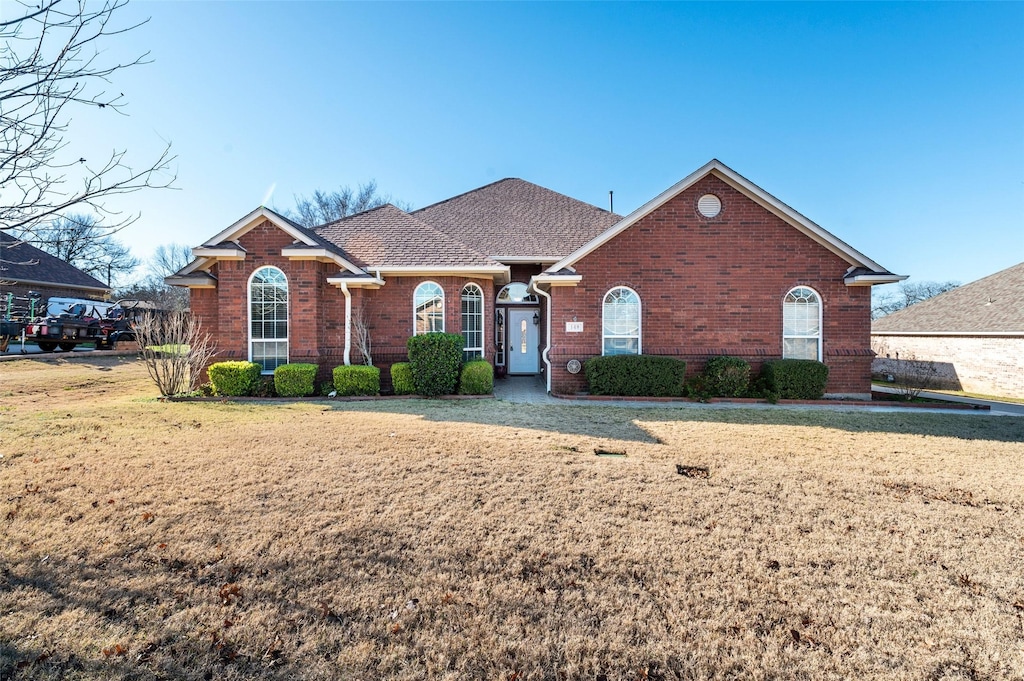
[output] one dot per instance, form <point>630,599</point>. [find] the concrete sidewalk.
<point>996,407</point>
<point>533,390</point>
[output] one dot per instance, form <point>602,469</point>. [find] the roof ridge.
<point>459,196</point>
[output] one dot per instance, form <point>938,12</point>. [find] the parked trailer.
<point>70,322</point>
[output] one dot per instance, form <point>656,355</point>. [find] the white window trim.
<point>524,301</point>
<point>287,315</point>
<point>483,320</point>
<point>414,293</point>
<point>639,321</point>
<point>821,327</point>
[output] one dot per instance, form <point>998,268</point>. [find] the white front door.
<point>523,341</point>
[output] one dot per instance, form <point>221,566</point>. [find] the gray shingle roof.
<point>513,217</point>
<point>994,304</point>
<point>20,261</point>
<point>389,237</point>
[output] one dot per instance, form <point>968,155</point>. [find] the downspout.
<point>547,329</point>
<point>348,323</point>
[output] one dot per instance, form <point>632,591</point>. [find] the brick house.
<point>970,338</point>
<point>25,270</point>
<point>538,282</point>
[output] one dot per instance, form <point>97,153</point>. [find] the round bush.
<point>234,378</point>
<point>295,380</point>
<point>401,378</point>
<point>356,380</point>
<point>477,378</point>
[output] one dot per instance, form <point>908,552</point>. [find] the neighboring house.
<point>536,282</point>
<point>972,337</point>
<point>25,269</point>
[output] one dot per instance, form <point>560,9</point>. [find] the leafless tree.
<point>361,335</point>
<point>323,207</point>
<point>174,349</point>
<point>53,64</point>
<point>77,239</point>
<point>166,260</point>
<point>907,294</point>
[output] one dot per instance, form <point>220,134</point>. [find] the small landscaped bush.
<point>477,378</point>
<point>401,378</point>
<point>234,378</point>
<point>295,380</point>
<point>725,377</point>
<point>635,375</point>
<point>356,380</point>
<point>794,379</point>
<point>436,359</point>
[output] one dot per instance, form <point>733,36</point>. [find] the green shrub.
<point>295,380</point>
<point>234,378</point>
<point>356,380</point>
<point>725,377</point>
<point>635,375</point>
<point>401,378</point>
<point>794,379</point>
<point>476,378</point>
<point>436,359</point>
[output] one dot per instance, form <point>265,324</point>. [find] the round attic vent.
<point>709,205</point>
<point>573,366</point>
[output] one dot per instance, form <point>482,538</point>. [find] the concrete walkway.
<point>533,390</point>
<point>996,407</point>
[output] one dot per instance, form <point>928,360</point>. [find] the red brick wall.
<point>715,286</point>
<point>316,309</point>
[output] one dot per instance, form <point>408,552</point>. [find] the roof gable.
<point>991,305</point>
<point>23,262</point>
<point>859,263</point>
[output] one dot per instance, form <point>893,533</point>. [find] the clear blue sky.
<point>898,127</point>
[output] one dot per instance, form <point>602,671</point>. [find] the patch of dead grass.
<point>421,539</point>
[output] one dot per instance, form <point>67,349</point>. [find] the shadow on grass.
<point>622,423</point>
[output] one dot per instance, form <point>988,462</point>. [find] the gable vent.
<point>709,205</point>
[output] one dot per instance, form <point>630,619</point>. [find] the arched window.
<point>268,318</point>
<point>428,308</point>
<point>472,322</point>
<point>621,322</point>
<point>516,294</point>
<point>801,324</point>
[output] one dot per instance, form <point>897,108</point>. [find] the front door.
<point>523,341</point>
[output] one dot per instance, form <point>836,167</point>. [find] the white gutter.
<point>348,323</point>
<point>547,328</point>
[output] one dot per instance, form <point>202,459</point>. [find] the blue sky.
<point>898,127</point>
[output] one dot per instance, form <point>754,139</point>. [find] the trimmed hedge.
<point>234,379</point>
<point>635,375</point>
<point>401,378</point>
<point>476,378</point>
<point>725,377</point>
<point>295,380</point>
<point>356,380</point>
<point>794,379</point>
<point>436,359</point>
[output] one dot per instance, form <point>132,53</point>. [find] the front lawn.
<point>418,539</point>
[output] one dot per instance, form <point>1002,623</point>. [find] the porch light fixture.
<point>536,318</point>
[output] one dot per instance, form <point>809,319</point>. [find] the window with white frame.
<point>621,335</point>
<point>428,308</point>
<point>801,324</point>
<point>268,318</point>
<point>472,322</point>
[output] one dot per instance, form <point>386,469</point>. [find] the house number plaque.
<point>574,327</point>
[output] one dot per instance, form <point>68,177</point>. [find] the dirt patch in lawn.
<point>482,539</point>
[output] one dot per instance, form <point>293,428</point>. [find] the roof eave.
<point>61,284</point>
<point>320,255</point>
<point>357,282</point>
<point>873,279</point>
<point>254,218</point>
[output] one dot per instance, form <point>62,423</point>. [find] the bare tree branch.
<point>323,207</point>
<point>906,294</point>
<point>51,65</point>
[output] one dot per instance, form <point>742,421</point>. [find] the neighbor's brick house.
<point>27,272</point>
<point>534,279</point>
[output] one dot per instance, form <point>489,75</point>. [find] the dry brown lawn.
<point>479,539</point>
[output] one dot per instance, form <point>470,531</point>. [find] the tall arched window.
<point>801,324</point>
<point>472,322</point>
<point>428,308</point>
<point>268,318</point>
<point>621,322</point>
